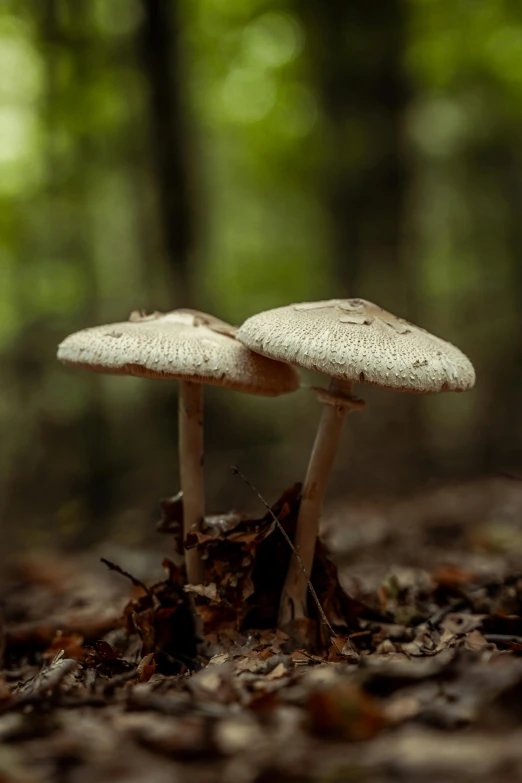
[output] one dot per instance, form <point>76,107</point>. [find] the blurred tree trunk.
<point>159,48</point>
<point>500,434</point>
<point>91,427</point>
<point>356,52</point>
<point>512,418</point>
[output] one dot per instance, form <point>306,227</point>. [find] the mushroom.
<point>349,340</point>
<point>194,348</point>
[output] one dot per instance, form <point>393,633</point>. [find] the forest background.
<point>237,155</point>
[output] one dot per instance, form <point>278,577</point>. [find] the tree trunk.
<point>159,47</point>
<point>356,53</point>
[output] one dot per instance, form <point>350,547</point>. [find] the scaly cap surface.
<point>183,344</point>
<point>356,340</point>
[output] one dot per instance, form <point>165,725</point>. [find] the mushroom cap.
<point>355,340</point>
<point>183,344</point>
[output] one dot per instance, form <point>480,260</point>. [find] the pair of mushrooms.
<point>349,340</point>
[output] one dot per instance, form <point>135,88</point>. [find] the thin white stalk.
<point>191,470</point>
<point>294,595</point>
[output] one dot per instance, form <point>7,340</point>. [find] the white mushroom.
<point>194,348</point>
<point>350,340</point>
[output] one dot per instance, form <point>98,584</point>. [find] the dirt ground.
<point>102,678</point>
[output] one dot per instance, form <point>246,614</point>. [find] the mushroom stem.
<point>294,595</point>
<point>191,470</point>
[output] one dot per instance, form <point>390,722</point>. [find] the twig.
<point>40,634</point>
<point>119,570</point>
<point>288,540</point>
<point>43,689</point>
<point>3,642</point>
<point>501,638</point>
<point>170,704</point>
<point>439,616</point>
<point>119,679</point>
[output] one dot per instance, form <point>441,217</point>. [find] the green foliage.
<point>258,113</point>
<point>81,233</point>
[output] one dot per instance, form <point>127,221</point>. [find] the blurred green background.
<point>236,155</point>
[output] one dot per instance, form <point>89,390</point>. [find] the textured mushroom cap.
<point>355,340</point>
<point>183,344</point>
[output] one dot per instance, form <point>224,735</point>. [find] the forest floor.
<point>100,678</point>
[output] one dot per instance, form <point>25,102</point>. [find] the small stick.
<point>502,638</point>
<point>320,609</point>
<point>3,637</point>
<point>119,570</point>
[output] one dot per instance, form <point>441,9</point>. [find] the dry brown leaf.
<point>346,712</point>
<point>279,671</point>
<point>70,643</point>
<point>342,649</point>
<point>146,667</point>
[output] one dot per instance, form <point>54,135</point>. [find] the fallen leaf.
<point>146,667</point>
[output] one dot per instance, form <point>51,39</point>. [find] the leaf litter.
<point>103,674</point>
